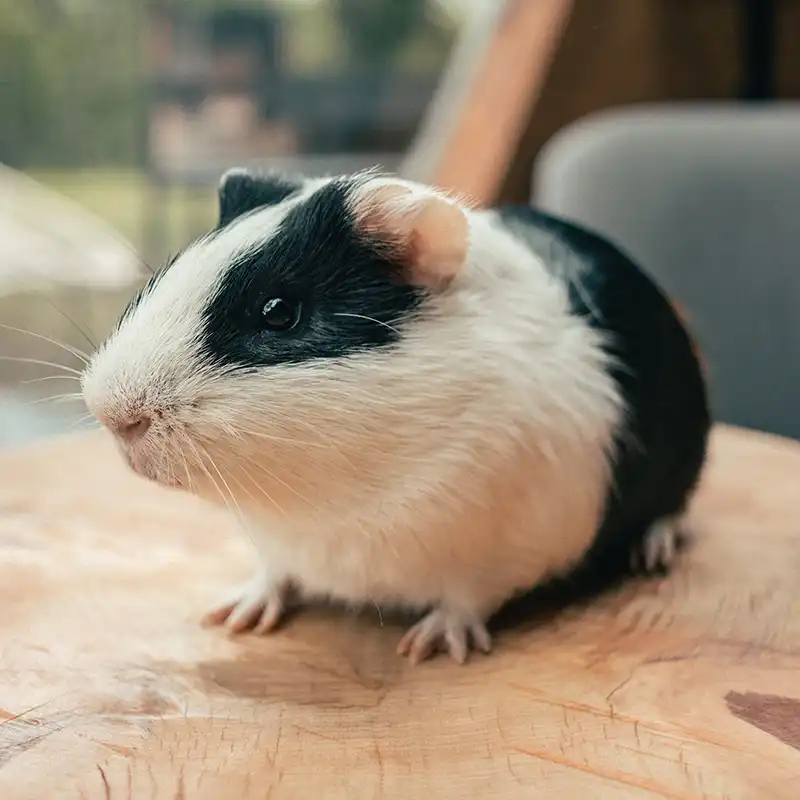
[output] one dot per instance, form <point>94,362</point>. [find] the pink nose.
<point>133,429</point>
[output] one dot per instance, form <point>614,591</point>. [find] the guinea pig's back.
<point>661,447</point>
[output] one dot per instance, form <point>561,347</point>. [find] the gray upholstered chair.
<point>707,198</point>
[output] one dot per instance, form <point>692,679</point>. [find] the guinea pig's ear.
<point>430,232</point>
<point>241,190</point>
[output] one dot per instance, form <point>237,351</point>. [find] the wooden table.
<point>685,687</point>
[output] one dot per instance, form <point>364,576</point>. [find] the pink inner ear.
<point>432,232</point>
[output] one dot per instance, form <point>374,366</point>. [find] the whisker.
<point>224,482</point>
<point>72,322</point>
<point>331,442</point>
<point>51,378</point>
<point>170,471</point>
<point>81,423</point>
<point>241,433</point>
<point>328,444</point>
<point>239,517</point>
<point>54,398</point>
<point>263,491</point>
<point>20,360</point>
<point>261,467</point>
<point>202,465</point>
<point>569,271</point>
<point>72,350</point>
<point>186,469</point>
<point>283,483</point>
<point>369,319</point>
<point>377,608</point>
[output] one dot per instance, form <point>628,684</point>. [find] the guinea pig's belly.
<point>478,554</point>
<point>356,568</point>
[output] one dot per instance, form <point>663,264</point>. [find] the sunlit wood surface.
<point>685,687</point>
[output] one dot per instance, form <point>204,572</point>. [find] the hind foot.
<point>658,549</point>
<point>448,631</point>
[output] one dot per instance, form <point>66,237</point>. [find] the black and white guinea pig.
<point>413,403</point>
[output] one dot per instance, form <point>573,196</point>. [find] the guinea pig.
<point>410,403</point>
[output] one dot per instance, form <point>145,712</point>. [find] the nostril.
<point>134,429</point>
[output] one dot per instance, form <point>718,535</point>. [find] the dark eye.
<point>279,314</point>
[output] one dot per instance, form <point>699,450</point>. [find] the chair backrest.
<point>707,199</point>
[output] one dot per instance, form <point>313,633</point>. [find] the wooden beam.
<point>443,113</point>
<point>493,111</point>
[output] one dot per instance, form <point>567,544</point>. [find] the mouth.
<point>145,468</point>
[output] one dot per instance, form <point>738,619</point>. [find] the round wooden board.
<point>684,687</point>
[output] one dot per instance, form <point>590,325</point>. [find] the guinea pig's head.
<point>290,342</point>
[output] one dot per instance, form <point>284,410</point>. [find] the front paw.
<point>258,605</point>
<point>659,548</point>
<point>445,630</point>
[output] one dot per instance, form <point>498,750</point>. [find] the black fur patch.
<point>241,191</point>
<point>662,447</point>
<point>349,287</point>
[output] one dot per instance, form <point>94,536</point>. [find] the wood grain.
<point>684,687</point>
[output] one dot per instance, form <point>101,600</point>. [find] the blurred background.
<point>117,119</point>
<point>133,109</point>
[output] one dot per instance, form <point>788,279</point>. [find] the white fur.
<point>469,462</point>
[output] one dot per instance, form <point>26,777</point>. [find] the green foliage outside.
<point>73,88</point>
<point>72,91</point>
